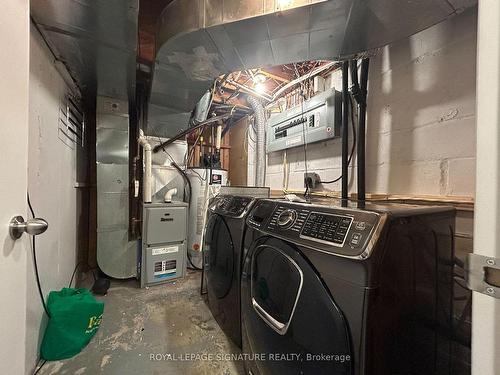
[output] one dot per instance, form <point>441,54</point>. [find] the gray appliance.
<point>164,241</point>
<point>317,119</point>
<point>222,253</point>
<point>349,291</point>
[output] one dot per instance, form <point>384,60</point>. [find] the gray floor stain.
<point>146,331</point>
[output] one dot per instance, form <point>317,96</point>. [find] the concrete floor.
<point>137,323</point>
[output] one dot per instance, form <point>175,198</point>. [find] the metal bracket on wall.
<point>483,274</point>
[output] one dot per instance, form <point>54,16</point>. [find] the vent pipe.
<point>148,169</point>
<point>365,64</point>
<point>345,132</point>
<point>202,108</point>
<point>359,92</point>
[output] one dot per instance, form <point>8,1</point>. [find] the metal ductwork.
<point>96,40</point>
<point>200,40</point>
<point>260,125</point>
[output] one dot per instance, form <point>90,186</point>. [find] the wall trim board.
<point>461,203</point>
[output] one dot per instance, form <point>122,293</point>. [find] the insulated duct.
<point>260,125</point>
<point>202,108</point>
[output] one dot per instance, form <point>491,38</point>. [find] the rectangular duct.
<point>116,255</point>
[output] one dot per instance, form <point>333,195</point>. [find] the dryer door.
<point>219,256</point>
<point>289,316</point>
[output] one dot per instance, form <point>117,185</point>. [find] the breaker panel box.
<point>317,119</point>
<point>164,242</point>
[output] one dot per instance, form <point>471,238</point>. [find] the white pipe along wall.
<point>148,169</point>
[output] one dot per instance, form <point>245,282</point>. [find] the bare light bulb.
<point>259,78</point>
<point>260,88</point>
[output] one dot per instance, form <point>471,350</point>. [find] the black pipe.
<point>191,129</point>
<point>190,189</point>
<point>356,92</point>
<point>365,64</point>
<point>345,132</point>
<point>186,180</point>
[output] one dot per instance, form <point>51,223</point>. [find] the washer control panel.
<point>325,227</point>
<point>287,218</point>
<point>344,231</point>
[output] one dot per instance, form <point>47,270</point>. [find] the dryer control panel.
<point>338,230</point>
<point>233,206</point>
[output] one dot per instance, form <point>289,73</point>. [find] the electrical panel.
<point>317,119</point>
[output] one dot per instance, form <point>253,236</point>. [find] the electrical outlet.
<point>311,179</point>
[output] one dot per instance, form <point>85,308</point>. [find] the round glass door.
<point>287,310</point>
<point>219,255</point>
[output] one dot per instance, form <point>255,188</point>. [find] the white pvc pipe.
<point>148,169</point>
<point>486,309</point>
<point>170,194</point>
<point>218,137</point>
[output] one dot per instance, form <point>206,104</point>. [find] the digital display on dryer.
<point>324,227</point>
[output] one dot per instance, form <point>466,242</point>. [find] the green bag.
<point>75,316</point>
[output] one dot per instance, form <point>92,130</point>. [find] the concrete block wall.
<point>421,119</point>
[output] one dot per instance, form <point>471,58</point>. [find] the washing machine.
<point>222,253</point>
<point>338,291</point>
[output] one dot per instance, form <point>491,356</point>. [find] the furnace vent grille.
<point>71,122</point>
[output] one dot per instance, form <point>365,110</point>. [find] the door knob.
<point>33,227</point>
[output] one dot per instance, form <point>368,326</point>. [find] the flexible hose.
<point>260,122</point>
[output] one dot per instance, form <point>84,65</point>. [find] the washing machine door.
<point>219,256</point>
<point>290,323</point>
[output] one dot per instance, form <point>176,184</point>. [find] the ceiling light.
<point>259,78</point>
<point>260,88</point>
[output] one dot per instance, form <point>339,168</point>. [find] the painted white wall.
<point>421,119</point>
<point>486,310</point>
<point>52,175</point>
<point>14,73</point>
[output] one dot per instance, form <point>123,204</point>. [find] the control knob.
<point>287,218</point>
<point>221,204</point>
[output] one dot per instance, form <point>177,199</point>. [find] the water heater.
<point>205,184</point>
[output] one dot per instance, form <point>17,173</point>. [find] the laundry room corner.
<point>254,187</point>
